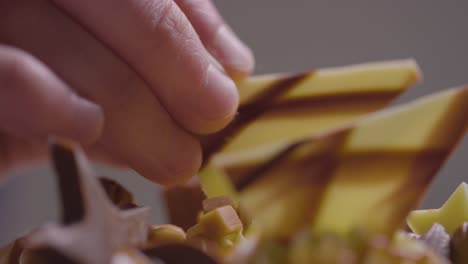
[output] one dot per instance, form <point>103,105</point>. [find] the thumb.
<point>36,103</point>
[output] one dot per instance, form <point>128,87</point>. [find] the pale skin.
<point>133,81</point>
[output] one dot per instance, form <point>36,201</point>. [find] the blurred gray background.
<point>297,36</point>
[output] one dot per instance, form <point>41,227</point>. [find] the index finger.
<point>158,41</point>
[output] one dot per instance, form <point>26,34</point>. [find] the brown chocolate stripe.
<point>455,116</point>
<point>332,103</point>
<point>424,167</point>
<point>406,196</point>
<point>255,173</point>
<point>426,164</point>
<point>248,112</point>
<point>265,104</point>
<point>329,152</point>
<point>69,184</point>
<point>325,163</point>
<point>423,170</point>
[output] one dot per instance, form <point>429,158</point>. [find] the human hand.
<point>130,80</point>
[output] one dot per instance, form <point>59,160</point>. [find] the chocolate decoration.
<point>270,99</point>
<point>331,161</point>
<point>99,228</point>
<point>183,203</point>
<point>363,101</point>
<point>459,245</point>
<point>69,185</point>
<point>118,194</point>
<point>327,159</point>
<point>249,112</point>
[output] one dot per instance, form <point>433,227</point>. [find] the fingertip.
<point>177,166</point>
<point>236,58</point>
<point>86,120</point>
<point>220,104</point>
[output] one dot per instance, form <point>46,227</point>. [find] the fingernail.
<point>87,118</point>
<point>236,57</point>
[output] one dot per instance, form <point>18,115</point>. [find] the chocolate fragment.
<point>183,203</point>
<point>92,227</point>
<point>165,234</point>
<point>459,245</point>
<point>118,194</point>
<point>216,223</point>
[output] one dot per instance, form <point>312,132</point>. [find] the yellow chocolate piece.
<point>163,234</point>
<point>327,98</point>
<point>217,223</point>
<point>368,174</point>
<point>407,145</point>
<point>215,183</point>
<point>318,101</point>
<point>451,215</point>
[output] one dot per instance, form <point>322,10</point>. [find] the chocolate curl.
<point>92,228</point>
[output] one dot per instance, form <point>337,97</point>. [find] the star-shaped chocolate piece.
<point>92,227</point>
<point>451,215</point>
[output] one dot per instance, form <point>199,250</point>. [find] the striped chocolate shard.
<point>277,109</point>
<point>284,108</point>
<point>370,173</point>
